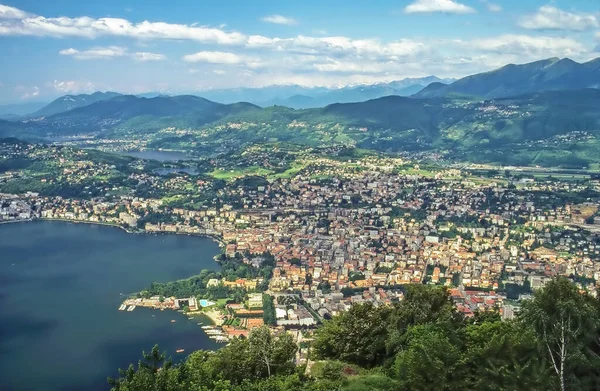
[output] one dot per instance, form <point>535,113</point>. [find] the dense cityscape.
<point>300,195</point>
<point>347,231</point>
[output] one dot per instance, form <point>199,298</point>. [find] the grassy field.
<point>230,174</point>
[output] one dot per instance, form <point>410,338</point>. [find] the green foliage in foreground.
<point>421,343</point>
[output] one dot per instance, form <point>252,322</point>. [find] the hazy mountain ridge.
<point>298,97</point>
<point>15,111</point>
<point>513,80</point>
<point>182,110</point>
<point>70,102</point>
<point>564,122</point>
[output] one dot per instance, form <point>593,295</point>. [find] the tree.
<point>429,360</point>
<point>357,336</point>
<point>565,320</point>
<point>503,356</point>
<point>275,352</point>
<point>421,305</point>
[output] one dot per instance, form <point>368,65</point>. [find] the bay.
<point>60,288</point>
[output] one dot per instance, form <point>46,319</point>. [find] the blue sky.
<point>51,48</point>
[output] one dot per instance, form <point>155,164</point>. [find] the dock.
<point>130,308</point>
<point>122,307</point>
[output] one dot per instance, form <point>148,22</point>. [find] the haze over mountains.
<point>293,96</point>
<point>298,97</point>
<point>490,114</point>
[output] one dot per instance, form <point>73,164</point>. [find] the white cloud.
<point>146,56</point>
<point>214,57</point>
<point>27,92</point>
<point>279,19</point>
<point>492,7</point>
<point>551,18</point>
<point>95,53</point>
<point>72,86</point>
<point>428,6</point>
<point>109,52</point>
<point>529,46</point>
<point>7,12</point>
<point>17,22</point>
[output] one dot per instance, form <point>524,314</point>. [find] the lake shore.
<point>215,316</point>
<point>217,239</point>
<point>74,261</point>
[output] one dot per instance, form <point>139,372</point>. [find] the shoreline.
<point>214,238</point>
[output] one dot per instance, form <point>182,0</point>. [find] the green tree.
<point>429,360</point>
<point>565,321</point>
<point>503,356</point>
<point>357,336</point>
<point>422,305</point>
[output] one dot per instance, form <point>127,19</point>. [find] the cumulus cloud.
<point>549,17</point>
<point>214,57</point>
<point>224,58</point>
<point>529,46</point>
<point>95,53</point>
<point>109,52</point>
<point>429,6</point>
<point>279,19</point>
<point>146,56</point>
<point>16,22</point>
<point>72,86</point>
<point>7,12</point>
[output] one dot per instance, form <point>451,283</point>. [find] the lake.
<point>161,156</point>
<point>60,288</point>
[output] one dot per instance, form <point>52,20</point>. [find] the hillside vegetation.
<point>420,343</point>
<point>513,80</point>
<point>532,114</point>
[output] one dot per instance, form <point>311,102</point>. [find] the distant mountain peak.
<point>70,102</point>
<point>518,79</point>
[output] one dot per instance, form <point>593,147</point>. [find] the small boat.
<point>199,323</point>
<point>173,320</point>
<point>122,307</point>
<point>180,350</point>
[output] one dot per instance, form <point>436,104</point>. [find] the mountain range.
<point>298,97</point>
<point>532,113</point>
<point>513,80</point>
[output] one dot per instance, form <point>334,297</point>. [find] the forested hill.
<point>420,343</point>
<point>512,80</point>
<point>550,128</point>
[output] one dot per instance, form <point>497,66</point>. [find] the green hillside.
<point>556,128</point>
<point>513,80</point>
<point>419,343</point>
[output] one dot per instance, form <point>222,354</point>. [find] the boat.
<point>122,307</point>
<point>131,308</point>
<point>207,327</point>
<point>219,338</point>
<point>180,350</point>
<point>199,323</point>
<point>173,320</point>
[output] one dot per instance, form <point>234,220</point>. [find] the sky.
<point>52,48</point>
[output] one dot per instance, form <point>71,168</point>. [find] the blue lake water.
<point>161,156</point>
<point>60,287</point>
